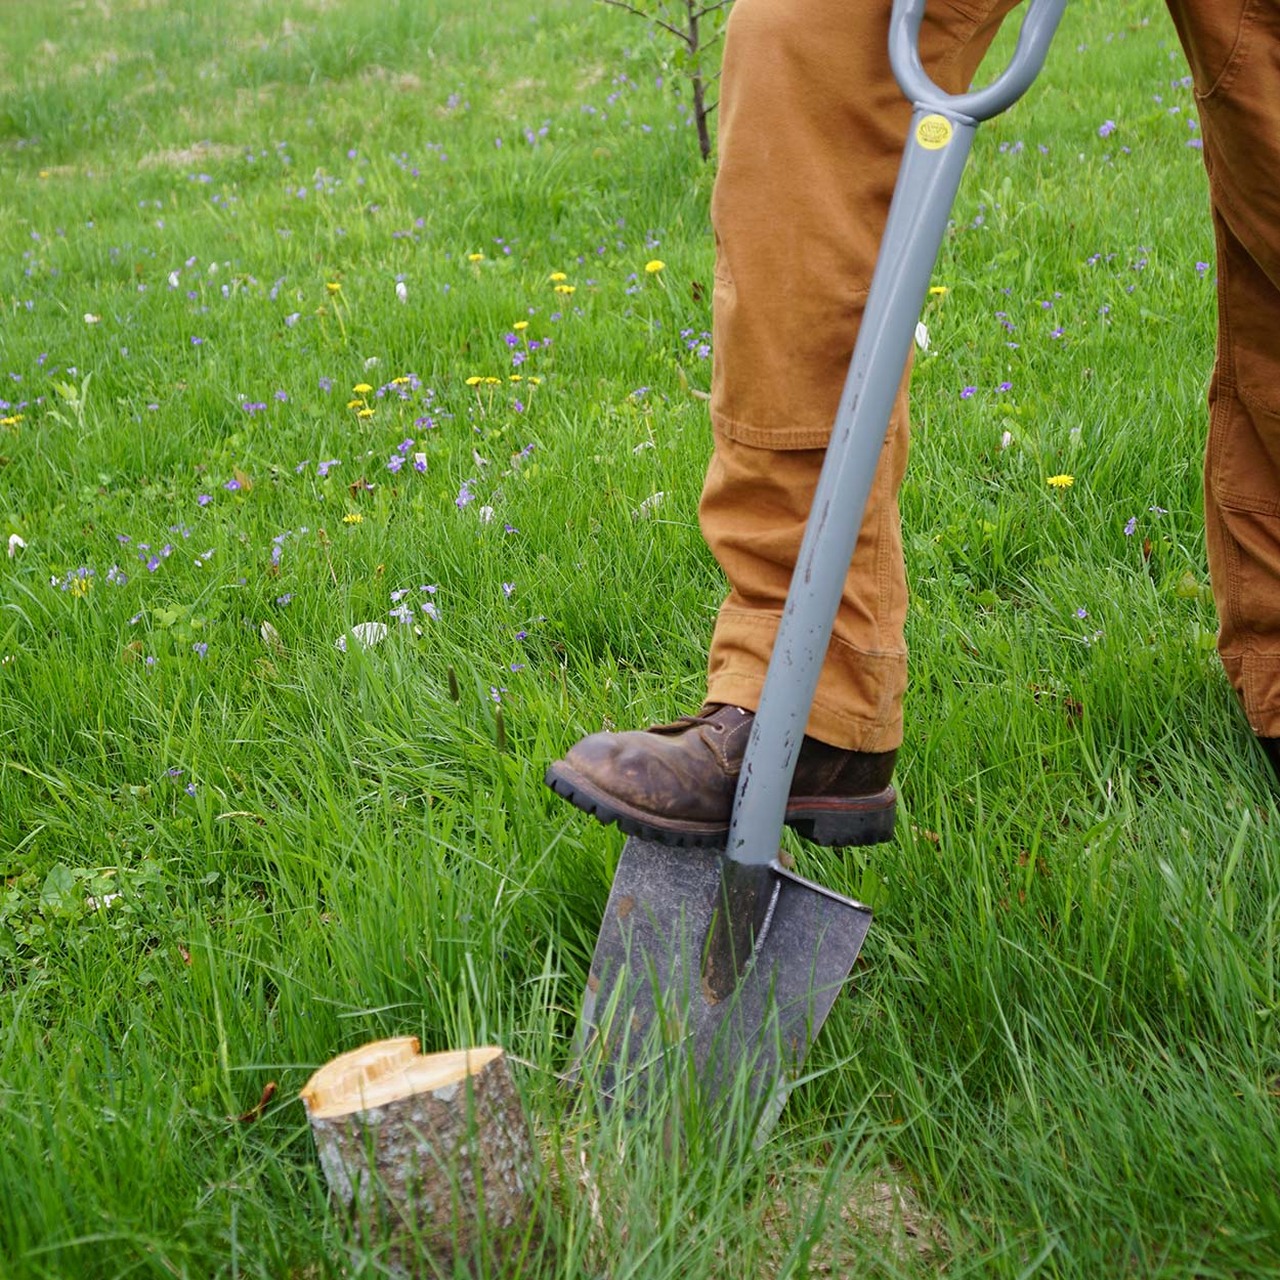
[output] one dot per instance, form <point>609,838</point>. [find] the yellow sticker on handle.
<point>934,132</point>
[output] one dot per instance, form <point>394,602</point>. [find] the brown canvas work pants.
<point>811,131</point>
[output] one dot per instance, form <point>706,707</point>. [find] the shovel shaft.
<point>942,129</point>
<point>918,216</point>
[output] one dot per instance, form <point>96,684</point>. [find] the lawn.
<point>323,313</point>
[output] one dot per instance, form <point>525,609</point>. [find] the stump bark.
<point>429,1155</point>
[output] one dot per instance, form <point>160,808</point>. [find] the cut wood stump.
<point>428,1155</point>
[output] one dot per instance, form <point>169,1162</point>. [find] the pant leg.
<point>811,130</point>
<point>1233,47</point>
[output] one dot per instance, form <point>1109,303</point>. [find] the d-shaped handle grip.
<point>1038,26</point>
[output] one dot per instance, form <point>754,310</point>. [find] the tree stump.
<point>428,1155</point>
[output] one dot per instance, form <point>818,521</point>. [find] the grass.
<point>1060,1056</point>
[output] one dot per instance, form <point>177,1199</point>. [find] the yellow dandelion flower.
<point>514,377</point>
<point>362,388</point>
<point>520,325</point>
<point>1061,482</point>
<point>937,290</point>
<point>353,517</point>
<point>475,257</point>
<point>401,381</point>
<point>364,413</point>
<point>537,382</point>
<point>475,380</point>
<point>655,266</point>
<point>557,275</point>
<point>333,286</point>
<point>80,586</point>
<point>566,288</point>
<point>354,404</point>
<point>489,382</point>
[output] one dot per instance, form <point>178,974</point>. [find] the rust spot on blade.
<point>593,983</point>
<point>626,906</point>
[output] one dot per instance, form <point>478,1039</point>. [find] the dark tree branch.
<point>682,36</point>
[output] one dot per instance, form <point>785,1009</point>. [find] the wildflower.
<point>520,326</point>
<point>966,392</point>
<point>420,462</point>
<point>1130,526</point>
<point>557,276</point>
<point>364,413</point>
<point>939,290</point>
<point>654,266</point>
<point>475,257</point>
<point>233,484</point>
<point>475,380</point>
<point>394,463</point>
<point>465,496</point>
<point>353,517</point>
<point>566,288</point>
<point>362,388</point>
<point>200,648</point>
<point>508,589</point>
<point>1106,128</point>
<point>402,291</point>
<point>333,286</point>
<point>191,786</point>
<point>1201,268</point>
<point>1082,613</point>
<point>1005,386</point>
<point>1061,481</point>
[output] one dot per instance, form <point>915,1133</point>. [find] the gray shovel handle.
<point>1038,25</point>
<point>942,130</point>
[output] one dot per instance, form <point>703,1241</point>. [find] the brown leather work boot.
<point>674,783</point>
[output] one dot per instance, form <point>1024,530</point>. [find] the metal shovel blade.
<point>649,1015</point>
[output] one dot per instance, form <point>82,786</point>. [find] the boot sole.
<point>836,822</point>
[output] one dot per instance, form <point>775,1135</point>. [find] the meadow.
<point>322,313</point>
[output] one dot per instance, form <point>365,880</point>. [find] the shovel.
<point>722,967</point>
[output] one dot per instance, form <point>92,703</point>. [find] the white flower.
<point>173,279</point>
<point>15,545</point>
<point>367,634</point>
<point>922,336</point>
<point>90,318</point>
<point>402,291</point>
<point>372,362</point>
<point>1006,440</point>
<point>647,506</point>
<point>485,514</point>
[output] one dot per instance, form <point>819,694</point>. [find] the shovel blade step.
<point>647,1016</point>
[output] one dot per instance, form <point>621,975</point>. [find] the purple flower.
<point>233,484</point>
<point>282,395</point>
<point>284,599</point>
<point>1130,526</point>
<point>200,648</point>
<point>153,563</point>
<point>203,499</point>
<point>191,788</point>
<point>1005,386</point>
<point>966,392</point>
<point>1106,128</point>
<point>394,463</point>
<point>465,496</point>
<point>1082,613</point>
<point>197,342</point>
<point>1201,268</point>
<point>326,384</point>
<point>508,589</point>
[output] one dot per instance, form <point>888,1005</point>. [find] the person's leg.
<point>1233,47</point>
<point>811,128</point>
<point>811,131</point>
